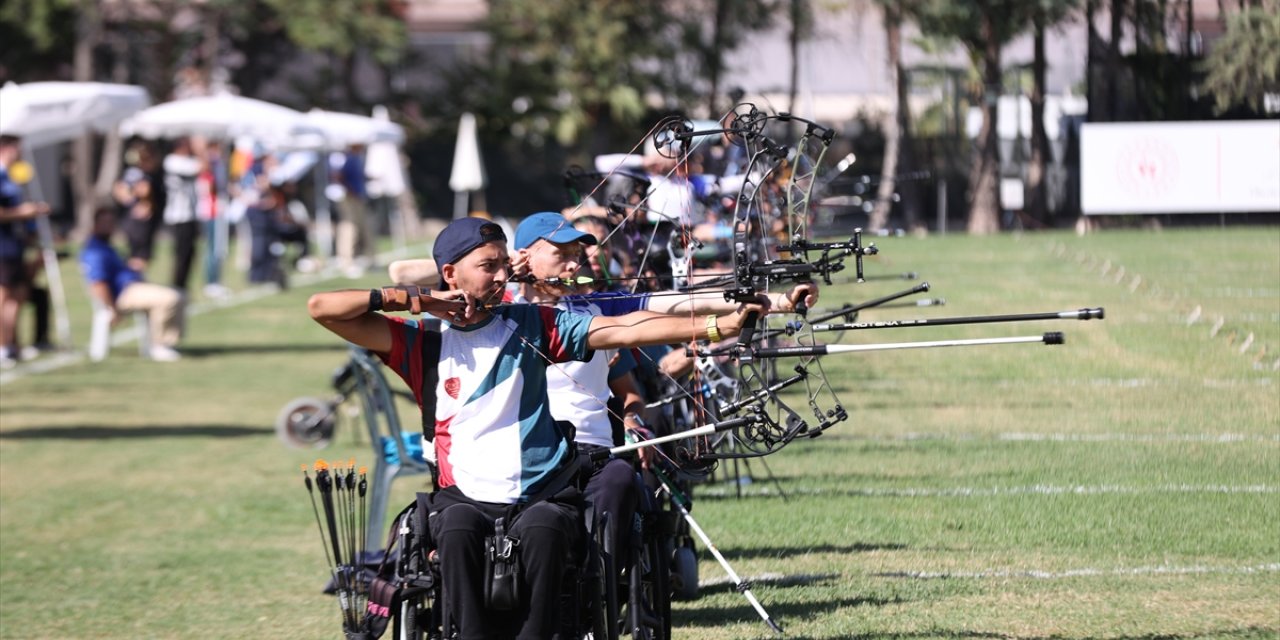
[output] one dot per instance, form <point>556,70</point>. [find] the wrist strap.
<point>402,298</point>
<point>375,300</point>
<point>713,328</point>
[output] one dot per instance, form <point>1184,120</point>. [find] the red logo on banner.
<point>1148,168</point>
<point>452,386</point>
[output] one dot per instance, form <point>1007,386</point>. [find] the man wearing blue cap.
<point>549,254</point>
<point>498,447</point>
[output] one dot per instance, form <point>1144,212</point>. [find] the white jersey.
<point>578,392</point>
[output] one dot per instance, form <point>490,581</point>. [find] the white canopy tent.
<point>45,113</point>
<point>223,117</point>
<point>226,117</point>
<point>336,131</point>
<point>48,113</point>
<point>341,130</point>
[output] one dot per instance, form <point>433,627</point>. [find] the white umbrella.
<point>224,116</point>
<point>46,113</point>
<point>468,170</point>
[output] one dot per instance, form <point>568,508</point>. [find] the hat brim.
<point>568,234</point>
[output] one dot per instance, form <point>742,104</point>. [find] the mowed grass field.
<point>1123,485</point>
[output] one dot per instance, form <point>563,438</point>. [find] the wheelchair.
<point>597,601</point>
<point>605,597</point>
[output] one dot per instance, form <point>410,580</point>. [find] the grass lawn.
<point>1123,485</point>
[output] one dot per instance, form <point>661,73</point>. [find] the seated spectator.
<point>114,284</point>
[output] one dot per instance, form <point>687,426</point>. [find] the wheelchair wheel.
<point>589,600</point>
<point>684,572</point>
<point>307,423</point>
<point>648,613</point>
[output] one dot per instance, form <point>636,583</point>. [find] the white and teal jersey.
<point>495,437</point>
<point>578,392</point>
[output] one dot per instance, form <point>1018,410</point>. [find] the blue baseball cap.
<point>549,225</point>
<point>461,237</point>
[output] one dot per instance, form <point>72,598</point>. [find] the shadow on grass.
<point>776,580</point>
<point>1248,632</point>
<point>204,351</point>
<point>91,432</point>
<point>800,550</point>
<point>714,615</point>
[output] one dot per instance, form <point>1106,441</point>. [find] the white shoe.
<point>161,353</point>
<point>216,291</point>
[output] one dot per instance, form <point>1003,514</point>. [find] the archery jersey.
<point>578,392</point>
<point>495,437</point>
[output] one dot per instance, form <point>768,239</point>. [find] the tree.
<point>343,29</point>
<point>1244,65</point>
<point>1044,14</point>
<point>557,69</point>
<point>897,126</point>
<point>982,27</point>
<point>801,18</point>
<point>37,36</point>
<point>732,20</point>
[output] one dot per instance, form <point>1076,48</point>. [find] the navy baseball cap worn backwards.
<point>549,225</point>
<point>461,237</point>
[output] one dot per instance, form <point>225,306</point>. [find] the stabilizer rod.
<point>1079,314</point>
<point>1052,337</point>
<point>704,430</point>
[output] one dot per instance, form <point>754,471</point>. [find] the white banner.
<point>1180,167</point>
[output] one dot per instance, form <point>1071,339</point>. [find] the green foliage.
<point>962,20</point>
<point>343,26</point>
<point>560,65</point>
<point>42,22</point>
<point>1244,64</point>
<point>558,69</point>
<point>38,37</point>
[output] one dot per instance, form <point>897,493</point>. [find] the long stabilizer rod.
<point>704,430</point>
<point>739,584</point>
<point>1079,314</point>
<point>1053,337</point>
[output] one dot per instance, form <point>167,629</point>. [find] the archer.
<point>499,449</point>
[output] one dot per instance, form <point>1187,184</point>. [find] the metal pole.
<point>739,584</point>
<point>324,216</point>
<point>942,206</point>
<point>44,233</point>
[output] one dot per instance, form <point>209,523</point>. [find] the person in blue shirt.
<point>356,228</point>
<point>15,283</point>
<point>116,286</point>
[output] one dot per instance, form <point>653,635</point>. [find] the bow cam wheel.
<point>306,423</point>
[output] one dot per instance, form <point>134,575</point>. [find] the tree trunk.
<point>893,123</point>
<point>1038,203</point>
<point>984,177</point>
<point>715,61</point>
<point>1112,71</point>
<point>88,33</point>
<point>797,23</point>
<point>1090,64</point>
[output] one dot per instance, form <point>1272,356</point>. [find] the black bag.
<point>502,589</point>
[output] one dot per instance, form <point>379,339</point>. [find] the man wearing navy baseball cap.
<point>498,447</point>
